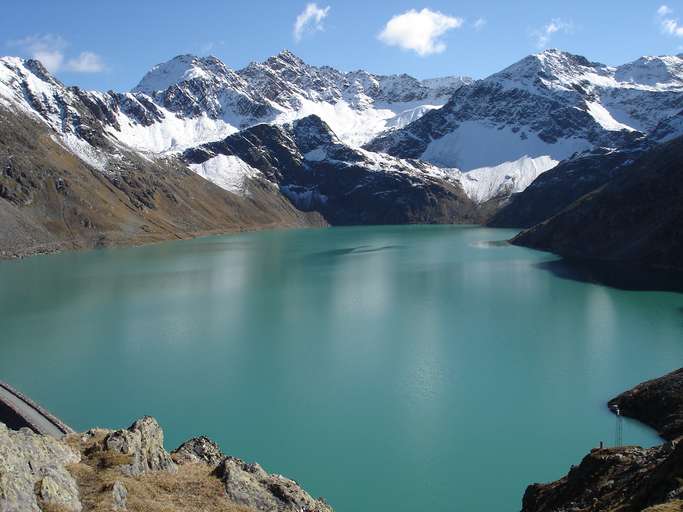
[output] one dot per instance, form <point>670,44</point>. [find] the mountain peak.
<point>662,70</point>
<point>289,56</point>
<point>553,69</point>
<point>16,66</point>
<point>555,56</point>
<point>283,60</point>
<point>180,69</point>
<point>312,132</point>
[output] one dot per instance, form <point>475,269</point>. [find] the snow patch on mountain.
<point>174,134</point>
<point>405,117</point>
<point>507,178</point>
<point>605,118</point>
<point>84,151</point>
<point>227,171</point>
<point>474,145</point>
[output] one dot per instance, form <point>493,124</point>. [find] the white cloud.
<point>479,23</point>
<point>310,19</point>
<point>47,48</point>
<point>86,62</point>
<point>664,10</point>
<point>50,50</point>
<point>668,24</point>
<point>545,34</point>
<point>419,31</point>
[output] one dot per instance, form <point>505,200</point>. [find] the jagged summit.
<point>288,57</point>
<point>552,69</point>
<point>559,70</point>
<point>547,107</point>
<point>663,71</point>
<point>182,68</point>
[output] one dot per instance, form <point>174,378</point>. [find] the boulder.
<point>198,449</point>
<point>33,476</point>
<point>143,443</point>
<point>248,484</point>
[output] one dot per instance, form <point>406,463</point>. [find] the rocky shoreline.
<point>626,478</point>
<point>657,403</point>
<point>129,469</point>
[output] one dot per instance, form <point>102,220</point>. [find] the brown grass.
<point>673,506</point>
<point>193,488</point>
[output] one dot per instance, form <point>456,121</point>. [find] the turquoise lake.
<point>385,368</point>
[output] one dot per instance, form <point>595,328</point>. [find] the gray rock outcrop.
<point>119,495</point>
<point>250,485</point>
<point>198,449</point>
<point>33,476</point>
<point>143,442</point>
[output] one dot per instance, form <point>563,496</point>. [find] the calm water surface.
<point>386,368</point>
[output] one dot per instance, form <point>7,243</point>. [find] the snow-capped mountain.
<point>357,105</point>
<point>520,122</point>
<point>318,172</point>
<point>192,100</point>
<point>495,135</point>
<point>212,98</point>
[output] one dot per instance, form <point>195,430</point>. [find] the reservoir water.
<point>385,368</point>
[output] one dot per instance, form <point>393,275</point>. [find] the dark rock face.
<point>658,403</point>
<point>347,186</point>
<point>556,189</point>
<point>628,479</point>
<point>635,218</point>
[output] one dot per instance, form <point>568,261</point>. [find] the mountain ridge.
<point>552,105</point>
<point>490,140</point>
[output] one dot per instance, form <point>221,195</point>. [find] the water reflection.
<point>615,275</point>
<point>417,350</point>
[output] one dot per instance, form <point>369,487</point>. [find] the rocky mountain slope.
<point>559,187</point>
<point>50,199</point>
<point>523,120</point>
<point>627,478</point>
<point>491,139</point>
<point>317,172</point>
<point>84,169</point>
<point>130,470</point>
<point>637,217</point>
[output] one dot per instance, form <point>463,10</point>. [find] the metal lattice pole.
<point>619,429</point>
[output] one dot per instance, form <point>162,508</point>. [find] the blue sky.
<point>110,45</point>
